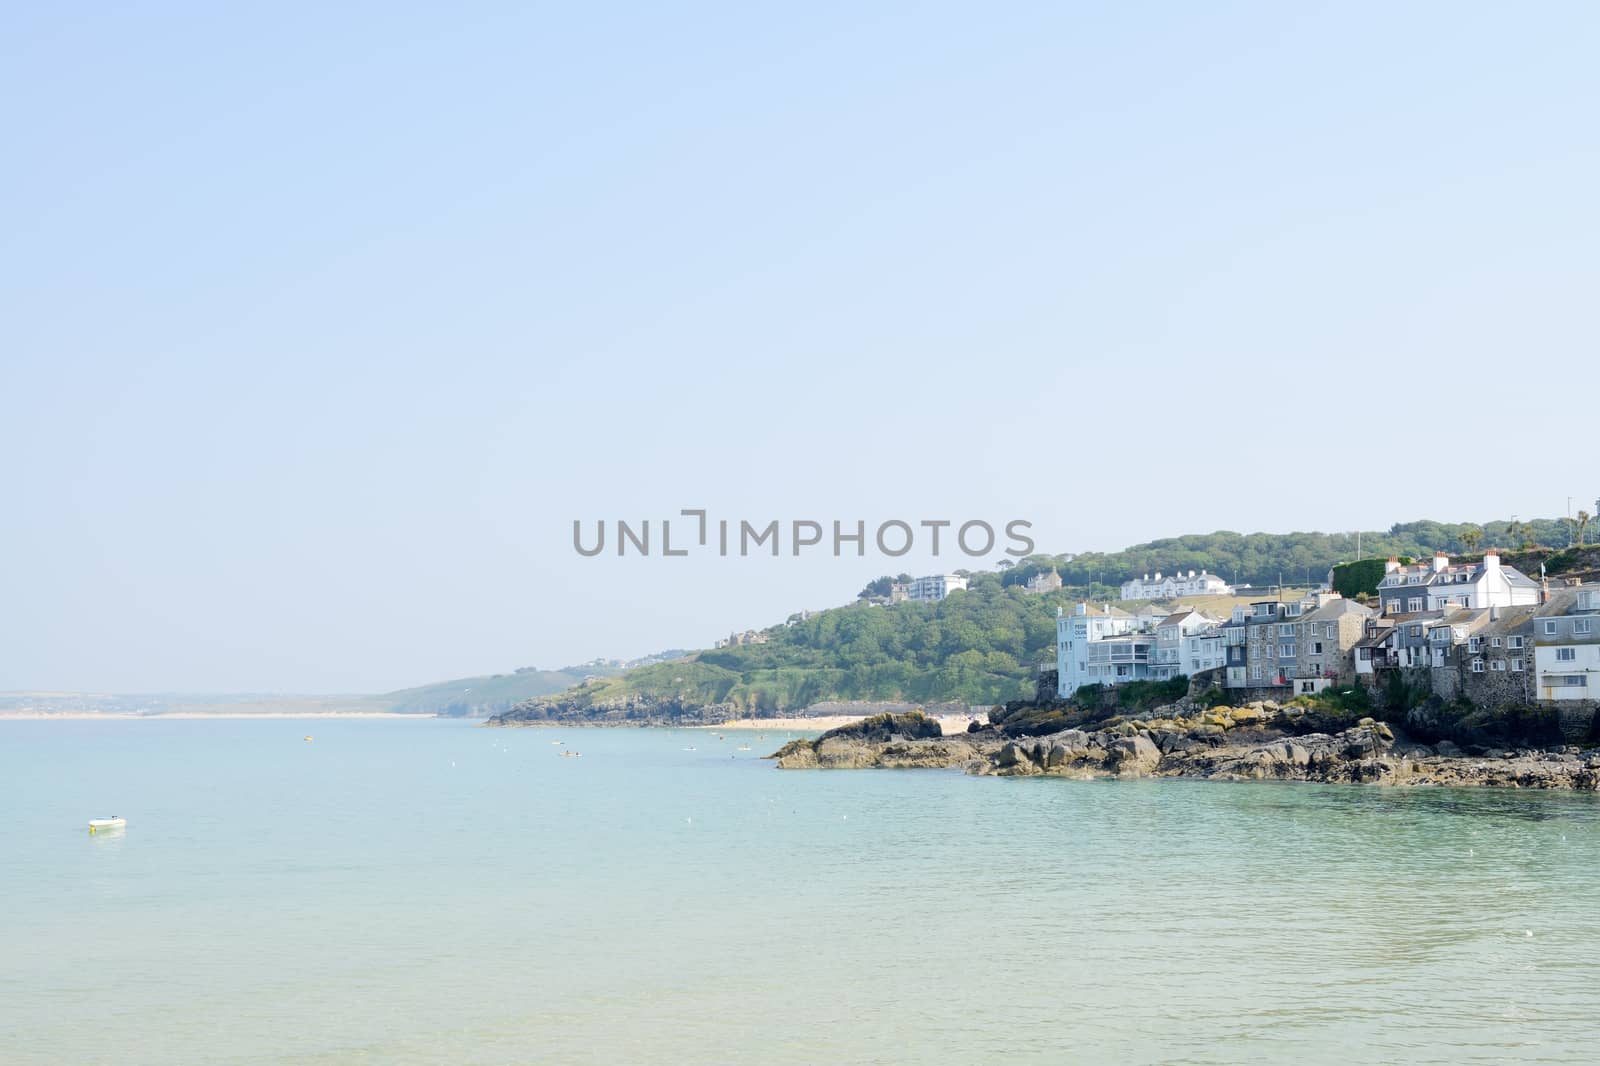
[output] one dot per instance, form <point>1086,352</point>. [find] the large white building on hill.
<point>1171,586</point>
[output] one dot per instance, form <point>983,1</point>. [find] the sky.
<point>320,325</point>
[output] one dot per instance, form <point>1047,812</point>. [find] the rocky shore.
<point>1261,741</point>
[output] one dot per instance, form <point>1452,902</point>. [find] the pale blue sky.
<point>319,325</point>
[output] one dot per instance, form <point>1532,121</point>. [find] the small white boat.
<point>96,824</point>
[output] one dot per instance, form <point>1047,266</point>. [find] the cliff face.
<point>1257,742</point>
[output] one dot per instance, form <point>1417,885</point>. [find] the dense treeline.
<point>980,646</point>
<point>1293,558</point>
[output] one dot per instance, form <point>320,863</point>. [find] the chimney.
<point>1440,561</point>
<point>1392,565</point>
<point>1491,559</point>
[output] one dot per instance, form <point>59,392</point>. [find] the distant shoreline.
<point>123,716</point>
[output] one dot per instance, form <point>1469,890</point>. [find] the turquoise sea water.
<point>432,892</point>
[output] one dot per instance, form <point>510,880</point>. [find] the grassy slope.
<point>487,695</point>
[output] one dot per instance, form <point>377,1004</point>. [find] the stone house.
<point>1328,635</point>
<point>1044,581</point>
<point>1491,667</point>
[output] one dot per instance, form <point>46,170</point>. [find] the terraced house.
<point>1566,646</point>
<point>1173,635</point>
<point>1485,656</point>
<point>1327,636</point>
<point>1438,585</point>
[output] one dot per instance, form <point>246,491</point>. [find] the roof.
<point>1463,618</point>
<point>1448,575</point>
<point>1334,609</point>
<point>1563,601</point>
<point>1510,620</point>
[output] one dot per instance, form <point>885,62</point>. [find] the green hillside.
<point>482,696</point>
<point>980,646</point>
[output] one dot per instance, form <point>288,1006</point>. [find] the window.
<point>1414,604</point>
<point>1392,607</point>
<point>1580,625</point>
<point>1286,651</point>
<point>1550,627</point>
<point>1494,642</point>
<point>1516,666</point>
<point>1514,642</point>
<point>1566,655</point>
<point>1498,665</point>
<point>1569,681</point>
<point>1416,631</point>
<point>1331,631</point>
<point>1286,631</point>
<point>1316,649</point>
<point>1255,673</point>
<point>1477,666</point>
<point>1475,644</point>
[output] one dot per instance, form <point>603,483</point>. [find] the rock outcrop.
<point>890,741</point>
<point>1252,743</point>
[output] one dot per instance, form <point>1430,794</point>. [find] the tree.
<point>1582,523</point>
<point>876,587</point>
<point>1471,537</point>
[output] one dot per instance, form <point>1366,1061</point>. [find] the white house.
<point>934,587</point>
<point>1437,585</point>
<point>1078,632</point>
<point>1171,586</point>
<point>1173,636</point>
<point>1566,646</point>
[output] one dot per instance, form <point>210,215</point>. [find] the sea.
<point>431,891</point>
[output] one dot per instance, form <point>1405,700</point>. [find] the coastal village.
<point>1480,630</point>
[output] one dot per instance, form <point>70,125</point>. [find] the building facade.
<point>1044,581</point>
<point>1327,635</point>
<point>1566,646</point>
<point>1171,586</point>
<point>1080,632</point>
<point>929,589</point>
<point>1173,634</point>
<point>1437,585</point>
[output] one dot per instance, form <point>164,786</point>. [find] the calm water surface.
<point>432,892</point>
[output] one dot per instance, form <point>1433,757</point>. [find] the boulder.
<point>1134,755</point>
